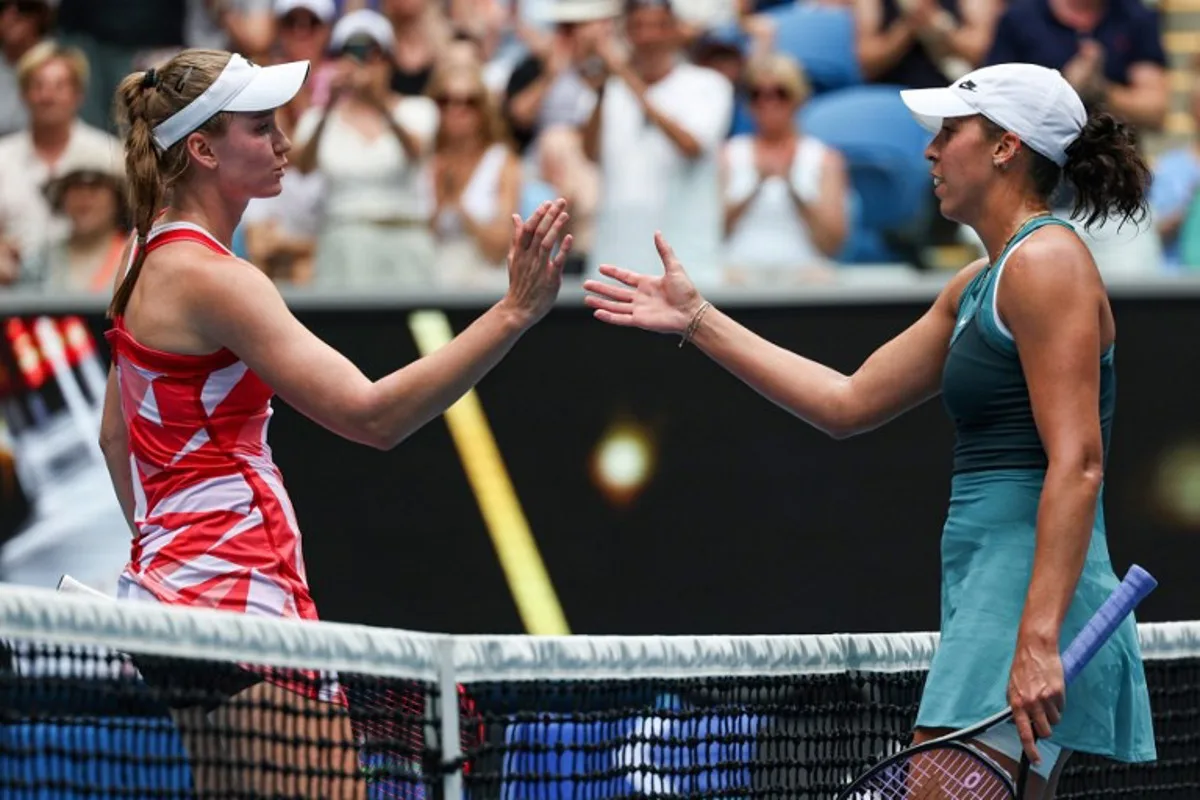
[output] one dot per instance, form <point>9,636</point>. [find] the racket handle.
<point>1137,584</point>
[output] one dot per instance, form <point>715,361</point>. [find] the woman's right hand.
<point>663,304</point>
<point>534,276</point>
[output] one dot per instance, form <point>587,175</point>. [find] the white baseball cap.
<point>323,10</point>
<point>241,86</point>
<point>364,22</point>
<point>1035,103</point>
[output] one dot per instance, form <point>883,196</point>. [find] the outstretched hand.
<point>534,273</point>
<point>663,304</point>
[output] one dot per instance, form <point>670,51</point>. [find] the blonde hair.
<point>43,53</point>
<point>144,100</point>
<point>494,128</point>
<point>782,69</point>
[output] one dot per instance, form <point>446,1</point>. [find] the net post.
<point>451,744</point>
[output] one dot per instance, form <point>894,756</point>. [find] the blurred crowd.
<point>751,132</point>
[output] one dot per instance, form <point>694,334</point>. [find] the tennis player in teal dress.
<point>1021,346</point>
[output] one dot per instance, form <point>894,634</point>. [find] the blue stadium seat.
<point>558,758</point>
<point>822,39</point>
<point>884,150</point>
<point>533,194</point>
<point>94,757</point>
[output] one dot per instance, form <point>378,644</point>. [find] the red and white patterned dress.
<point>215,525</point>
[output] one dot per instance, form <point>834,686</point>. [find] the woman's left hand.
<point>1036,691</point>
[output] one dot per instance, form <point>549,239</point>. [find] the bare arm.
<point>736,210</point>
<point>493,237</point>
<point>879,49</point>
<point>969,38</point>
<point>408,142</point>
<point>826,215</point>
<point>114,435</point>
<point>1057,319</point>
<point>114,443</point>
<point>525,105</point>
<point>898,376</point>
<point>591,128</point>
<point>304,157</point>
<point>237,306</point>
<point>1144,102</point>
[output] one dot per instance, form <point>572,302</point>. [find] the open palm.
<point>663,304</point>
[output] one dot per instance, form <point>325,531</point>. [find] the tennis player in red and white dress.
<point>201,343</point>
<point>215,524</point>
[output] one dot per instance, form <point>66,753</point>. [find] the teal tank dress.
<point>988,543</point>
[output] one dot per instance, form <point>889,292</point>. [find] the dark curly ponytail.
<point>1107,172</point>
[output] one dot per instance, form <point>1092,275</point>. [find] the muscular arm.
<point>898,376</point>
<point>1055,316</point>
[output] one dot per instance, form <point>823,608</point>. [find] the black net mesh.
<point>84,722</point>
<point>102,722</point>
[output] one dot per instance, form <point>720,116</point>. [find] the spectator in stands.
<point>114,35</point>
<point>547,102</point>
<point>422,32</point>
<point>281,231</point>
<point>241,26</point>
<point>368,144</point>
<point>785,192</point>
<point>548,89</point>
<point>476,181</point>
<point>92,197</point>
<point>1110,50</point>
<point>922,43</point>
<point>53,80</point>
<point>23,23</point>
<point>656,133</point>
<point>1175,197</point>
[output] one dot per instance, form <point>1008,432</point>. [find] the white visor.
<point>241,87</point>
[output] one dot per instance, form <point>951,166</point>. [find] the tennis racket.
<point>950,767</point>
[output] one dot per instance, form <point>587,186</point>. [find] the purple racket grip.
<point>1137,584</point>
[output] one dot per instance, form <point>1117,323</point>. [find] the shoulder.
<point>209,277</point>
<point>12,142</point>
<point>1051,271</point>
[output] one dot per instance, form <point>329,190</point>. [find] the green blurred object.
<point>1189,236</point>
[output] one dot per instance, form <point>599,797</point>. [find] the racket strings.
<point>941,774</point>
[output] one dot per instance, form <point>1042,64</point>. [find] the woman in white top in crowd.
<point>476,180</point>
<point>785,192</point>
<point>369,144</point>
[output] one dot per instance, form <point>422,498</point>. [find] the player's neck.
<point>1001,219</point>
<point>203,205</point>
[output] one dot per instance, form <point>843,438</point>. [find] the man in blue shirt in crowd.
<point>1110,50</point>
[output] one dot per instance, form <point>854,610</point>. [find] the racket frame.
<point>955,740</point>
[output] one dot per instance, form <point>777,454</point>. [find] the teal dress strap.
<point>987,317</point>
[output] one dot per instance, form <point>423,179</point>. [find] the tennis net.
<point>105,699</point>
